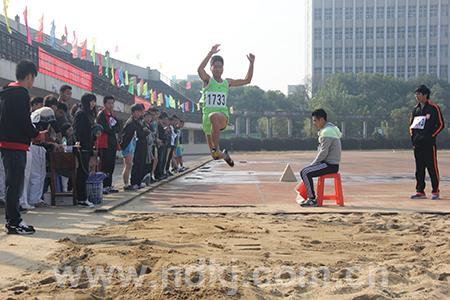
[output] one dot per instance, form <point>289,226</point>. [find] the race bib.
<point>215,99</point>
<point>418,122</point>
<point>112,122</point>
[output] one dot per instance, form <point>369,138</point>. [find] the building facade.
<point>400,38</point>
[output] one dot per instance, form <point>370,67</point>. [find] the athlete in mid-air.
<point>214,100</point>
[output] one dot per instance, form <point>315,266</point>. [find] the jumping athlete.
<point>214,100</point>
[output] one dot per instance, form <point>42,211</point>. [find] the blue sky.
<point>177,34</point>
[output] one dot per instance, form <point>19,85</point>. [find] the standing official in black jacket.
<point>426,123</point>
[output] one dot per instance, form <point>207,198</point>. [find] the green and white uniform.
<point>214,99</point>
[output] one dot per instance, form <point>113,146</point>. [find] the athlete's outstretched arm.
<point>248,78</point>
<point>201,69</point>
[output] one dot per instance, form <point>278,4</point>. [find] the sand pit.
<point>251,256</point>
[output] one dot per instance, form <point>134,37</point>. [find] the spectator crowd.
<point>150,143</point>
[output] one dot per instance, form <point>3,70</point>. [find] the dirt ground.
<point>249,256</point>
<point>221,233</point>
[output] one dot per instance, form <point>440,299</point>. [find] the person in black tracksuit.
<point>426,123</point>
<point>82,129</point>
<point>140,154</point>
<point>16,133</point>
<point>107,143</point>
<point>162,146</point>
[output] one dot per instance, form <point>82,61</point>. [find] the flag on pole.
<point>93,51</point>
<point>66,36</point>
<point>179,104</point>
<point>198,106</point>
<point>74,45</point>
<point>167,101</point>
<point>183,107</point>
<point>25,16</point>
<point>159,100</point>
<point>52,34</point>
<point>40,34</point>
<point>131,86</point>
<point>121,78</point>
<point>172,103</point>
<point>5,12</point>
<point>193,107</point>
<point>186,106</point>
<point>117,78</point>
<point>84,50</point>
<point>145,92</point>
<point>100,67</point>
<point>113,78</point>
<point>127,82</point>
<point>107,64</point>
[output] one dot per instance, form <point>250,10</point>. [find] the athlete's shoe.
<point>309,203</point>
<point>215,154</point>
<point>435,197</point>
<point>227,158</point>
<point>418,196</point>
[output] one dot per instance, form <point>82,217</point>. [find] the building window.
<point>401,52</point>
<point>380,32</point>
<point>348,33</point>
<point>411,51</point>
<point>338,13</point>
<point>390,71</point>
<point>359,69</point>
<point>369,13</point>
<point>359,34</point>
<point>433,51</point>
<point>433,10</point>
<point>327,71</point>
<point>422,69</point>
<point>401,32</point>
<point>412,11</point>
<point>369,69</point>
<point>328,53</point>
<point>380,13</point>
<point>401,11</point>
<point>444,30</point>
<point>349,13</point>
<point>422,51</point>
<point>369,33</point>
<point>348,69</point>
<point>328,34</point>
<point>338,53</point>
<point>411,32</point>
<point>423,11</point>
<point>359,13</point>
<point>444,71</point>
<point>433,30</point>
<point>401,72</point>
<point>390,34</point>
<point>380,52</point>
<point>359,53</point>
<point>422,31</point>
<point>380,70</point>
<point>444,10</point>
<point>338,33</point>
<point>318,14</point>
<point>348,53</point>
<point>444,51</point>
<point>318,34</point>
<point>390,52</point>
<point>328,14</point>
<point>318,53</point>
<point>390,13</point>
<point>369,53</point>
<point>433,70</point>
<point>411,71</point>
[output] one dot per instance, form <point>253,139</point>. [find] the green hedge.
<point>293,144</point>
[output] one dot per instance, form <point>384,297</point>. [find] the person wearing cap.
<point>426,123</point>
<point>128,143</point>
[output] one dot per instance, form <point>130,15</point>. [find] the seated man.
<point>328,158</point>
